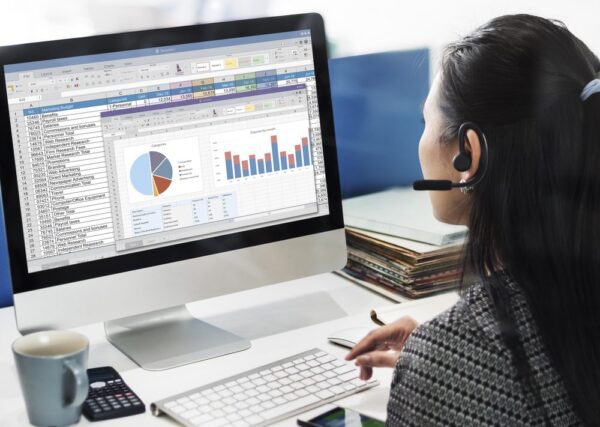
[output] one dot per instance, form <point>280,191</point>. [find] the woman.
<point>522,346</point>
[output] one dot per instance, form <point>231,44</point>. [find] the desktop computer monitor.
<point>144,170</point>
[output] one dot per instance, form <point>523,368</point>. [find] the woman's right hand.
<point>381,347</point>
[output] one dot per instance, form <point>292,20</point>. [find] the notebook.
<point>403,213</point>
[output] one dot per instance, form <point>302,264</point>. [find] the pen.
<point>375,319</point>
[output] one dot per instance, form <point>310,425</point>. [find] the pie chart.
<point>151,173</point>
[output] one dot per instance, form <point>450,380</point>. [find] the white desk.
<point>281,320</point>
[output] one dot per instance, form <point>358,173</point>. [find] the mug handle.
<point>81,383</point>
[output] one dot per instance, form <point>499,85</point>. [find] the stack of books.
<point>397,247</point>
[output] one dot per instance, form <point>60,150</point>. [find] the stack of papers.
<point>395,243</point>
<point>411,268</point>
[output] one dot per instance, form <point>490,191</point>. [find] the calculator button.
<point>98,384</point>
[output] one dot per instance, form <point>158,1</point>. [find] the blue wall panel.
<point>377,104</point>
<point>5,287</point>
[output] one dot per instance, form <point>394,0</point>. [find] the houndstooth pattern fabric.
<point>456,370</point>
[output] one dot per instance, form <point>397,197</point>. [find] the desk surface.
<point>281,320</point>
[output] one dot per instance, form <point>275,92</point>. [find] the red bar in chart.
<point>271,162</point>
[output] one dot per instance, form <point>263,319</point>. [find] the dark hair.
<point>536,212</point>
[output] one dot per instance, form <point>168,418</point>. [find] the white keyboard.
<point>266,394</point>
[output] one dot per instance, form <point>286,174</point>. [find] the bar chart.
<point>272,161</point>
<point>262,151</point>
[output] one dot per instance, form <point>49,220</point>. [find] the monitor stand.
<point>171,337</point>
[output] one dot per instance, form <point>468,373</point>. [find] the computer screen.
<point>126,151</point>
<point>142,171</point>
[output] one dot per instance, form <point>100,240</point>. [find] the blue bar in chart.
<point>275,152</point>
<point>261,166</point>
<point>252,164</point>
<point>283,160</point>
<point>229,165</point>
<point>268,162</point>
<point>298,150</point>
<point>236,166</point>
<point>305,152</point>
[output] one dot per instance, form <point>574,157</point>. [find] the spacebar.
<point>289,407</point>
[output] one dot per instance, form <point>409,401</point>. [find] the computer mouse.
<point>350,336</point>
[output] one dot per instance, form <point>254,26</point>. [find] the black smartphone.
<point>342,417</point>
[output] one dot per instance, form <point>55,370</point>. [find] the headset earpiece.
<point>462,161</point>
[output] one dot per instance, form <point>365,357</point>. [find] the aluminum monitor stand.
<point>169,338</point>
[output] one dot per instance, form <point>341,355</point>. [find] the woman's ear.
<point>473,148</point>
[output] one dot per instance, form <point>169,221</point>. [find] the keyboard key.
<point>348,376</point>
<point>295,378</point>
<point>217,404</point>
<point>217,413</point>
<point>326,358</point>
<point>290,396</point>
<point>336,389</point>
<point>259,381</point>
<point>279,400</point>
<point>267,404</point>
<point>263,388</point>
<point>286,389</point>
<point>324,394</point>
<point>254,419</point>
<point>216,423</point>
<point>233,417</point>
<point>343,369</point>
<point>275,393</point>
<point>301,392</point>
<point>236,389</point>
<point>241,405</point>
<point>201,420</point>
<point>290,407</point>
<point>190,414</point>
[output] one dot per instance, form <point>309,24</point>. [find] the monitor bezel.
<point>24,281</point>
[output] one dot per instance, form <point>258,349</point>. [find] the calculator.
<point>109,397</point>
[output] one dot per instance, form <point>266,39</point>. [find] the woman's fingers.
<point>386,359</point>
<point>370,342</point>
<point>365,373</point>
<point>390,336</point>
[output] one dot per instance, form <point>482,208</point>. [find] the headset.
<point>461,162</point>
